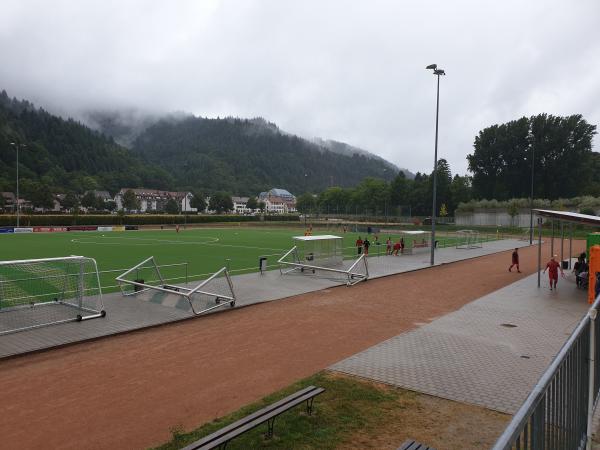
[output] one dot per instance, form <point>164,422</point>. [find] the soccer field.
<point>205,250</point>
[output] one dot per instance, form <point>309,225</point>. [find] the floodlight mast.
<point>437,72</point>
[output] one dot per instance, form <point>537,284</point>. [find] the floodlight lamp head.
<point>439,72</point>
<point>431,66</point>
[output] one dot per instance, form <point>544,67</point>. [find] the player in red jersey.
<point>515,261</point>
<point>553,267</point>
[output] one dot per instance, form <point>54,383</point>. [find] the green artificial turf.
<point>205,250</point>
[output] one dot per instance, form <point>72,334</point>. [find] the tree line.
<point>399,197</point>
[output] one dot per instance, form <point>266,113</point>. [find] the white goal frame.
<point>184,291</point>
<point>353,276</point>
<point>471,239</point>
<point>72,299</point>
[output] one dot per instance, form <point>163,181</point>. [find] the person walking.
<point>388,246</point>
<point>359,245</point>
<point>515,261</point>
<point>366,245</point>
<point>553,267</point>
<point>401,245</point>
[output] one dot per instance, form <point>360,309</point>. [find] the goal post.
<point>48,291</point>
<point>322,253</point>
<point>468,239</point>
<point>214,292</point>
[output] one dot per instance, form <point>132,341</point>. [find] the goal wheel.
<point>217,300</point>
<point>232,304</point>
<point>102,313</point>
<point>79,318</point>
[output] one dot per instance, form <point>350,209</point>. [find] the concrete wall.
<point>493,218</point>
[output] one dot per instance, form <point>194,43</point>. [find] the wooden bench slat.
<point>258,417</point>
<point>411,444</point>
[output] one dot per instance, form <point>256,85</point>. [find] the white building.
<point>239,205</point>
<point>156,200</point>
<point>278,201</point>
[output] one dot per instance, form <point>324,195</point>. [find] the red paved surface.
<point>127,391</point>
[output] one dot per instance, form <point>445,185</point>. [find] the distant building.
<point>156,200</point>
<point>239,205</point>
<point>278,201</point>
<point>9,200</point>
<point>104,195</point>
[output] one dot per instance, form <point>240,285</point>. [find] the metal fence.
<point>558,412</point>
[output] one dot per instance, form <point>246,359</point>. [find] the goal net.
<point>214,292</point>
<point>468,239</point>
<point>40,292</point>
<point>323,253</point>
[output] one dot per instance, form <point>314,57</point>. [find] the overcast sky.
<point>352,71</point>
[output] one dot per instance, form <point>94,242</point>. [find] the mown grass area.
<point>356,414</point>
<point>347,406</point>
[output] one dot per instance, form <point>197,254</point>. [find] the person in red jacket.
<point>553,267</point>
<point>359,245</point>
<point>515,261</point>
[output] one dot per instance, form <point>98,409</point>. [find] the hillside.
<point>248,156</point>
<point>66,155</point>
<point>178,151</point>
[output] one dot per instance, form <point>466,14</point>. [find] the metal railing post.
<point>590,413</point>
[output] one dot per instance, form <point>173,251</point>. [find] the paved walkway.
<point>489,353</point>
<point>151,309</point>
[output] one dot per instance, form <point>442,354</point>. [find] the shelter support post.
<point>552,239</point>
<point>570,243</point>
<point>562,242</point>
<point>539,281</point>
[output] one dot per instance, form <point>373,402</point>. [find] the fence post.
<point>590,412</point>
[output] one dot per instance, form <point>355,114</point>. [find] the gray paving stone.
<point>469,356</point>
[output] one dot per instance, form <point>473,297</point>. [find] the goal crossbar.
<point>353,276</point>
<point>186,292</point>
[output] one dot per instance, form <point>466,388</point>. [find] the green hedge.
<point>134,219</point>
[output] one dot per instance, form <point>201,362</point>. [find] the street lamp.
<point>437,72</point>
<point>17,146</point>
<point>531,197</point>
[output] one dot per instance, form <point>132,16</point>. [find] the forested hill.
<point>248,156</point>
<point>242,157</point>
<point>64,155</point>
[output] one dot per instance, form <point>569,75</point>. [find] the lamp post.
<point>437,72</point>
<point>531,197</point>
<point>17,146</point>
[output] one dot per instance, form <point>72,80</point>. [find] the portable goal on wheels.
<point>323,253</point>
<point>214,292</point>
<point>468,239</point>
<point>41,292</point>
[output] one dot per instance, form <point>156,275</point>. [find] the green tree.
<point>502,158</point>
<point>252,203</point>
<point>130,201</point>
<point>172,207</point>
<point>513,211</point>
<point>89,200</point>
<point>40,196</point>
<point>443,210</point>
<point>220,202</point>
<point>110,205</point>
<point>460,191</point>
<point>70,202</point>
<point>262,206</point>
<point>2,202</point>
<point>198,201</point>
<point>306,203</point>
